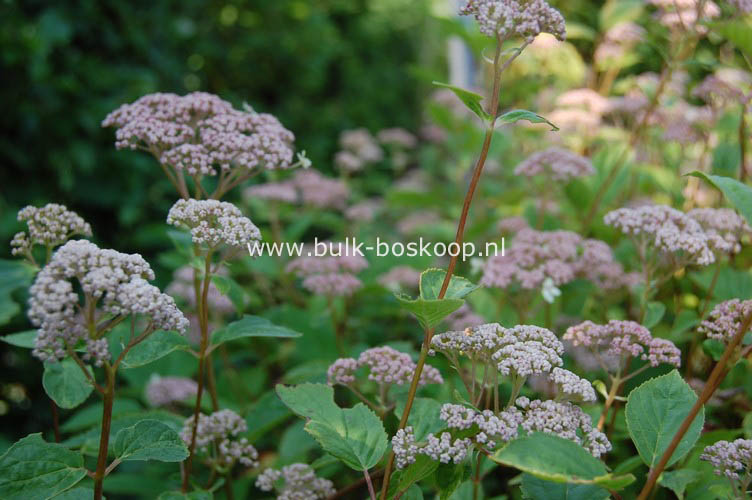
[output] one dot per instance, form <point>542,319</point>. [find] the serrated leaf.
<point>557,459</point>
<point>737,193</point>
<point>655,411</point>
<point>534,488</point>
<point>149,440</point>
<point>33,468</point>
<point>429,313</point>
<point>312,401</point>
<point>358,438</point>
<point>432,279</point>
<point>156,346</point>
<point>522,114</point>
<point>678,480</point>
<point>469,99</point>
<point>66,383</point>
<point>653,314</point>
<point>250,326</point>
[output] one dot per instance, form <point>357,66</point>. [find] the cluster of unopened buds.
<point>48,226</point>
<point>295,482</point>
<point>217,438</point>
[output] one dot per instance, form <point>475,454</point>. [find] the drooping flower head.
<point>213,223</point>
<point>725,319</point>
<point>221,429</point>
<point>616,341</point>
<point>731,459</point>
<point>49,226</point>
<point>295,482</point>
<point>201,134</point>
<point>509,18</point>
<point>113,285</point>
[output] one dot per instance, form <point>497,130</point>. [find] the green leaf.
<point>250,326</point>
<point>230,288</point>
<point>432,279</point>
<point>738,194</point>
<point>423,418</point>
<point>405,478</point>
<point>557,459</point>
<point>469,99</point>
<point>413,493</point>
<point>713,348</point>
<point>25,339</point>
<point>355,435</point>
<point>66,383</point>
<point>619,11</point>
<point>429,313</point>
<point>33,468</point>
<point>738,32</point>
<point>523,114</point>
<point>449,477</point>
<point>156,346</point>
<point>179,495</point>
<point>149,440</point>
<point>535,488</point>
<point>678,480</point>
<point>655,411</point>
<point>653,314</point>
<point>91,415</point>
<point>77,493</point>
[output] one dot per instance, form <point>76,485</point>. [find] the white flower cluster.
<point>213,223</point>
<point>300,483</point>
<point>725,319</point>
<point>572,387</point>
<point>730,458</point>
<point>222,428</point>
<point>564,420</point>
<point>50,225</point>
<point>724,222</point>
<point>385,366</point>
<point>113,282</point>
<point>509,18</point>
<point>673,234</point>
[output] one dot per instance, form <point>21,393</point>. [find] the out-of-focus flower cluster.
<point>201,134</point>
<point>182,287</point>
<point>464,317</point>
<point>400,277</point>
<point>617,42</point>
<point>114,285</point>
<point>725,319</point>
<point>385,366</point>
<point>555,164</point>
<point>724,223</point>
<point>162,391</point>
<point>359,148</point>
<point>616,341</point>
<point>509,18</point>
<point>561,256</point>
<point>685,15</point>
<point>49,226</point>
<point>306,187</point>
<point>213,223</point>
<point>295,482</point>
<point>731,459</point>
<point>677,238</point>
<point>329,275</point>
<point>221,428</point>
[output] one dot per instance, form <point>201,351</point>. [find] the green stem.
<point>104,436</point>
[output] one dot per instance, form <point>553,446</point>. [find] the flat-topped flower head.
<point>272,191</point>
<point>731,459</point>
<point>201,134</point>
<point>213,223</point>
<point>565,420</point>
<point>295,482</point>
<point>162,391</point>
<point>49,226</point>
<point>319,191</point>
<point>555,164</point>
<point>221,429</point>
<point>112,283</point>
<point>675,236</point>
<point>618,340</point>
<point>385,366</point>
<point>572,387</point>
<point>561,256</point>
<point>510,18</point>
<point>723,222</point>
<point>725,319</point>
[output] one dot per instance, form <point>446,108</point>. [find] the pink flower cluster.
<point>619,340</point>
<point>213,223</point>
<point>359,148</point>
<point>397,137</point>
<point>385,366</point>
<point>555,164</point>
<point>400,277</point>
<point>561,256</point>
<point>330,275</point>
<point>464,317</point>
<point>161,391</point>
<point>201,134</point>
<point>686,14</point>
<point>221,428</point>
<point>306,187</point>
<point>675,236</point>
<point>723,222</point>
<point>509,18</point>
<point>731,459</point>
<point>725,319</point>
<point>295,482</point>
